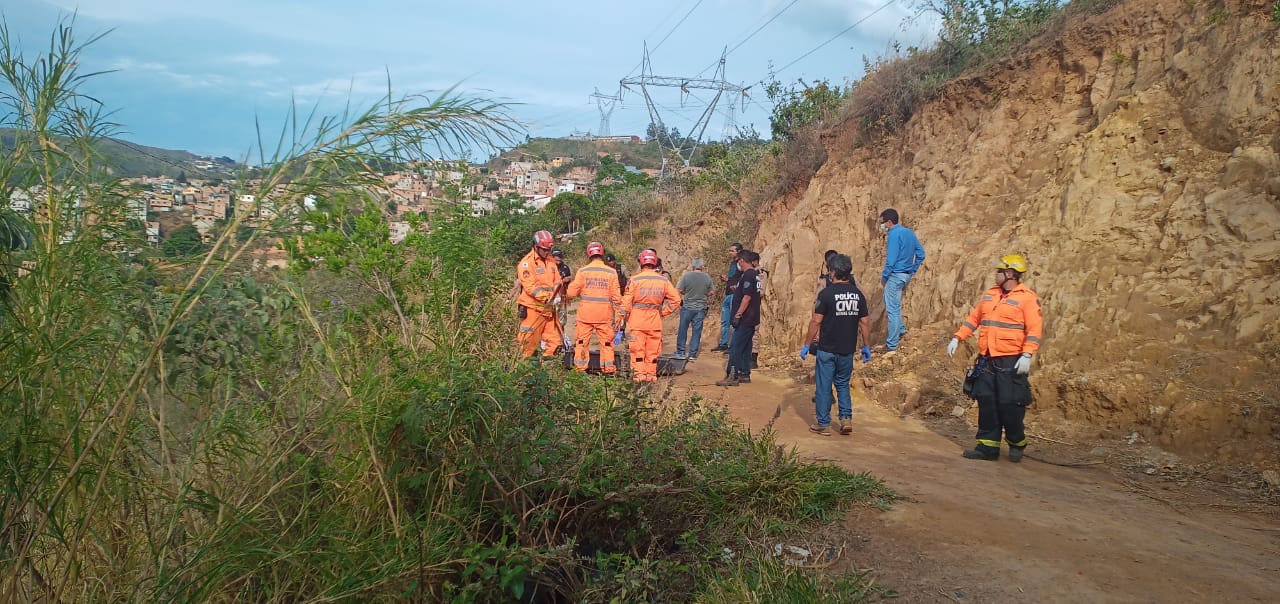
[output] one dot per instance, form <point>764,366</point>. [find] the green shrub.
<point>975,33</point>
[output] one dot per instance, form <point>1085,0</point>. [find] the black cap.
<point>558,253</point>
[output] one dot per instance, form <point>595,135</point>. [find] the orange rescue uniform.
<point>643,306</point>
<point>596,284</point>
<point>538,279</point>
<point>1007,324</point>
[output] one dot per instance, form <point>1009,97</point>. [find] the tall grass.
<point>357,428</point>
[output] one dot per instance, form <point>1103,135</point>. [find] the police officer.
<point>1009,325</point>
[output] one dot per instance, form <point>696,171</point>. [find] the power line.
<point>163,160</point>
<point>664,38</point>
<point>830,40</point>
<point>752,35</point>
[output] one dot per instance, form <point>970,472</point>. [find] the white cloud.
<point>150,69</point>
<point>254,59</point>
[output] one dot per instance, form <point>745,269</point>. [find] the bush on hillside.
<point>974,33</point>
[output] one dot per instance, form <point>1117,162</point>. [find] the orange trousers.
<point>532,328</point>
<point>582,346</point>
<point>552,335</point>
<point>646,345</point>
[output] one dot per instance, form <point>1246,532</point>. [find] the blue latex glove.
<point>804,352</point>
<point>866,354</point>
<point>617,338</point>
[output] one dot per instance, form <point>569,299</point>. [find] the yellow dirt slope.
<point>1134,159</point>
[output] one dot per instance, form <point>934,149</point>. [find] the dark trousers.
<point>1002,396</point>
<point>740,351</point>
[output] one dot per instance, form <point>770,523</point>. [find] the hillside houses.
<point>159,205</point>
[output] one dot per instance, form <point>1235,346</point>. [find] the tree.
<point>572,212</point>
<point>182,241</point>
<point>795,108</point>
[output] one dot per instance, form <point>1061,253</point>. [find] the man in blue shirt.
<point>726,309</point>
<point>902,259</point>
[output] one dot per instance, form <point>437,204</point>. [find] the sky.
<point>204,76</point>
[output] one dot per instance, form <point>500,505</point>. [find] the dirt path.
<point>972,531</point>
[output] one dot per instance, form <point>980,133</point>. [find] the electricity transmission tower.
<point>606,105</point>
<point>685,146</point>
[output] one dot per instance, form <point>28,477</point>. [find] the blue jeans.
<point>740,352</point>
<point>687,318</point>
<point>726,315</point>
<point>893,289</point>
<point>837,369</point>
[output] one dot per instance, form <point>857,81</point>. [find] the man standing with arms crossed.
<point>839,315</point>
<point>597,284</point>
<point>1009,326</point>
<point>903,257</point>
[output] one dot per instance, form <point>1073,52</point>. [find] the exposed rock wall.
<point>1134,159</point>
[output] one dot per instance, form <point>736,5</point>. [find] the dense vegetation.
<point>356,428</point>
<point>639,154</point>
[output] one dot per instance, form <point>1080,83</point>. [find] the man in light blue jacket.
<point>902,259</point>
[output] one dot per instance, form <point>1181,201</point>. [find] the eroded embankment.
<point>1135,160</point>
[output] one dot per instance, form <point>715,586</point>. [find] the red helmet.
<point>647,257</point>
<point>595,248</point>
<point>544,240</point>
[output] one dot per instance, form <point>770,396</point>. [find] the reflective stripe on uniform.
<point>971,326</point>
<point>1011,301</point>
<point>1033,339</point>
<point>1003,324</point>
<point>1021,443</point>
<point>995,444</point>
<point>595,299</point>
<point>538,290</point>
<point>987,298</point>
<point>646,305</point>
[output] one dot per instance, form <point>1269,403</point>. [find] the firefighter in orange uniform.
<point>553,337</point>
<point>649,297</point>
<point>1009,327</point>
<point>596,284</point>
<point>538,281</point>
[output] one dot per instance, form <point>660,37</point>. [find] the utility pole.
<point>605,104</point>
<point>717,83</point>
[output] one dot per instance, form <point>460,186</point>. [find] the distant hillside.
<point>130,159</point>
<point>639,154</point>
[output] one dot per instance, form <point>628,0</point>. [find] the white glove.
<point>1023,365</point>
<point>555,301</point>
<point>951,347</point>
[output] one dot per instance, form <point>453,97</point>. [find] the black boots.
<point>976,454</point>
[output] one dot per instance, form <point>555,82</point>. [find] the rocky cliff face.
<point>1134,159</point>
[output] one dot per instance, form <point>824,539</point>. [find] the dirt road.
<point>976,531</point>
